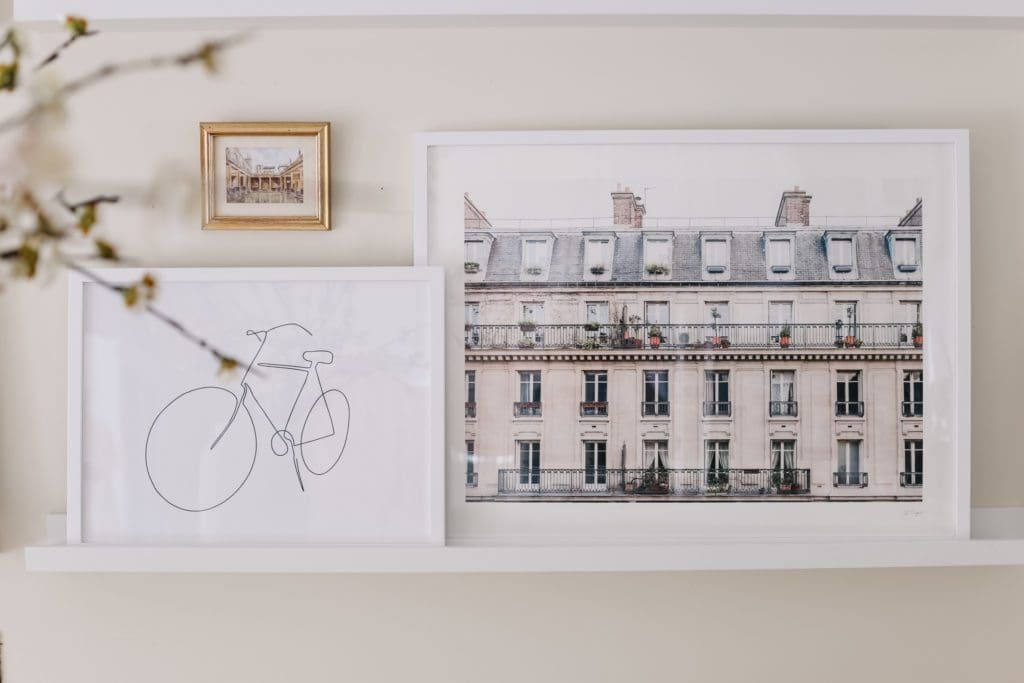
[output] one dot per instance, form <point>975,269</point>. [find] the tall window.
<point>597,312</point>
<point>848,472</point>
<point>595,472</point>
<point>913,463</point>
<point>656,454</point>
<point>472,315</point>
<point>533,312</point>
<point>471,393</point>
<point>529,394</point>
<point>717,459</point>
<point>913,393</point>
<point>716,393</point>
<point>655,392</point>
<point>599,256</point>
<point>595,393</point>
<point>658,255</point>
<point>717,257</point>
<point>780,255</point>
<point>905,254</point>
<point>656,313</point>
<point>716,319</point>
<point>845,313</point>
<point>783,455</point>
<point>783,393</point>
<point>476,254</point>
<point>534,254</point>
<point>841,254</point>
<point>780,313</point>
<point>848,393</point>
<point>529,463</point>
<point>471,475</point>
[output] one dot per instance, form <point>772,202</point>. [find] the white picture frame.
<point>419,522</point>
<point>947,360</point>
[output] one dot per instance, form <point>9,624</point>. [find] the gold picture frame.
<point>256,176</point>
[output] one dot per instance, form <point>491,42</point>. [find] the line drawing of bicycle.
<point>201,447</point>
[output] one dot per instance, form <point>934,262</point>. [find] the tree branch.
<point>52,57</point>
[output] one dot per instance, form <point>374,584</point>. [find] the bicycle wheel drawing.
<point>324,432</point>
<point>201,449</point>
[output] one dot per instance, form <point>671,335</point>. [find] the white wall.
<point>378,86</point>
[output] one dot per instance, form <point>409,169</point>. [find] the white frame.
<point>953,317</point>
<point>433,278</point>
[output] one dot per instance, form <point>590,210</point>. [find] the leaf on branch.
<point>78,26</point>
<point>87,218</point>
<point>130,295</point>
<point>227,365</point>
<point>27,261</point>
<point>105,250</point>
<point>9,76</point>
<point>148,286</point>
<point>207,54</point>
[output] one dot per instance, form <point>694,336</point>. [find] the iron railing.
<point>850,408</point>
<point>690,336</point>
<point>526,409</point>
<point>594,408</point>
<point>913,408</point>
<point>651,482</point>
<point>855,479</point>
<point>470,408</point>
<point>782,408</point>
<point>654,408</point>
<point>911,479</point>
<point>717,408</point>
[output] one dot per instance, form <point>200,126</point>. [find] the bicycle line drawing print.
<point>201,447</point>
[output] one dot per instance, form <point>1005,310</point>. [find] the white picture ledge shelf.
<point>997,540</point>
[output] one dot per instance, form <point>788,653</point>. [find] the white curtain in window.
<point>779,253</point>
<point>782,385</point>
<point>656,313</point>
<point>783,455</point>
<point>905,252</point>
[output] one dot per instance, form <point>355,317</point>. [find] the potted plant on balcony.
<point>785,335</point>
<point>472,267</point>
<point>918,334</point>
<point>592,326</point>
<point>716,339</point>
<point>533,270</point>
<point>657,269</point>
<point>654,335</point>
<point>597,270</point>
<point>784,481</point>
<point>655,480</point>
<point>592,344</point>
<point>527,326</point>
<point>526,343</point>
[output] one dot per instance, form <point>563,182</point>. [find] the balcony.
<point>526,409</point>
<point>913,408</point>
<point>649,482</point>
<point>911,479</point>
<point>654,409</point>
<point>717,408</point>
<point>850,408</point>
<point>782,408</point>
<point>850,479</point>
<point>471,409</point>
<point>472,480</point>
<point>594,409</point>
<point>593,336</point>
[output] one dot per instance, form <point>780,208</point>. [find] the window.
<point>471,474</point>
<point>845,313</point>
<point>910,312</point>
<point>913,393</point>
<point>471,393</point>
<point>529,463</point>
<point>529,394</point>
<point>913,463</point>
<point>840,254</point>
<point>848,466</point>
<point>717,458</point>
<point>716,258</point>
<point>784,474</point>
<point>655,392</point>
<point>716,393</point>
<point>531,322</point>
<point>656,313</point>
<point>783,393</point>
<point>656,455</point>
<point>848,394</point>
<point>534,255</point>
<point>780,313</point>
<point>476,255</point>
<point>716,318</point>
<point>596,327</point>
<point>472,315</point>
<point>595,472</point>
<point>599,256</point>
<point>904,254</point>
<point>658,255</point>
<point>780,255</point>
<point>595,394</point>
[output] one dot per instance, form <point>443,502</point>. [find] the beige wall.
<point>378,86</point>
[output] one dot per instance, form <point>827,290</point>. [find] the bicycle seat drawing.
<point>201,448</point>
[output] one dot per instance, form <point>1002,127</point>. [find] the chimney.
<point>794,208</point>
<point>627,208</point>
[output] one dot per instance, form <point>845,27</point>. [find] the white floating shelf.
<point>998,541</point>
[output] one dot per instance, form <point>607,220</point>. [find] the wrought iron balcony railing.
<point>850,408</point>
<point>782,408</point>
<point>913,408</point>
<point>717,408</point>
<point>855,479</point>
<point>650,482</point>
<point>654,408</point>
<point>911,479</point>
<point>470,408</point>
<point>595,336</point>
<point>594,409</point>
<point>526,409</point>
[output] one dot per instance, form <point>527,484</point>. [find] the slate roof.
<point>747,258</point>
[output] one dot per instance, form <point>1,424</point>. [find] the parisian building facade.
<point>246,179</point>
<point>632,358</point>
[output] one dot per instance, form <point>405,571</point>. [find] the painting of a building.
<point>642,359</point>
<point>264,176</point>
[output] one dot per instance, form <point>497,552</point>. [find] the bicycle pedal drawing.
<point>201,447</point>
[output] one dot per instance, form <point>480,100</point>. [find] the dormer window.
<point>714,249</point>
<point>780,255</point>
<point>477,253</point>
<point>658,256</point>
<point>536,257</point>
<point>841,254</point>
<point>904,254</point>
<point>598,258</point>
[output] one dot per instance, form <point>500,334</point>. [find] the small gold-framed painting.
<point>265,176</point>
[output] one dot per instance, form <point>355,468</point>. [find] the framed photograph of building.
<point>265,176</point>
<point>703,334</point>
